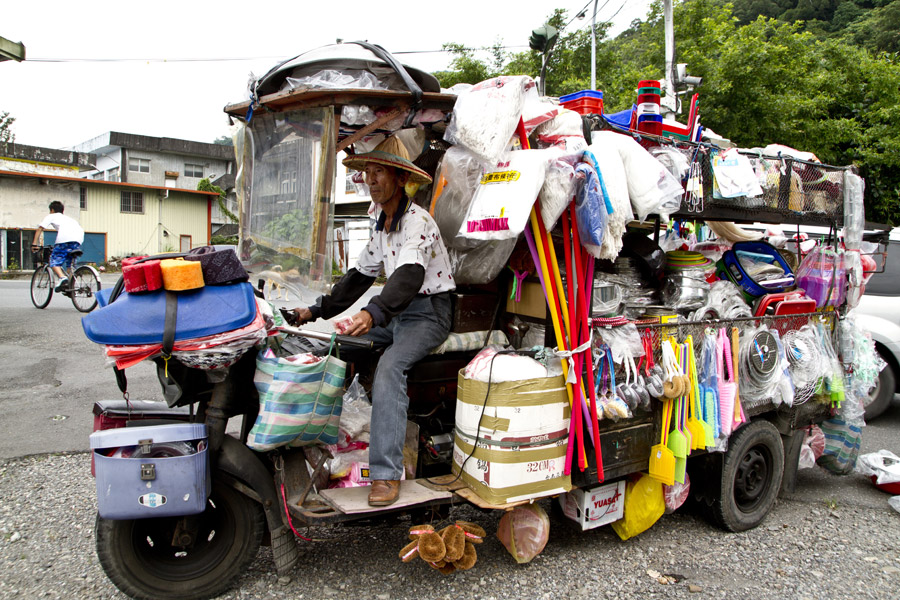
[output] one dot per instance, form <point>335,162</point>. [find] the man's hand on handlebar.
<point>362,324</point>
<point>304,315</point>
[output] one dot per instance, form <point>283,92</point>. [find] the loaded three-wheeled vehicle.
<point>619,341</point>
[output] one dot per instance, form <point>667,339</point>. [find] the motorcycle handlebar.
<point>346,340</point>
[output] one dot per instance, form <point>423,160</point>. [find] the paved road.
<point>52,374</point>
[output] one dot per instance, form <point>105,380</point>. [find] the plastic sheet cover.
<point>285,183</point>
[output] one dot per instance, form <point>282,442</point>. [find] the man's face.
<point>383,181</point>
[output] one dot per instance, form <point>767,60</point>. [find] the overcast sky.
<point>166,68</point>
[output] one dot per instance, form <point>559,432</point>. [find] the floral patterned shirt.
<point>412,239</point>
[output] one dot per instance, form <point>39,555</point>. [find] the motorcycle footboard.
<point>352,503</point>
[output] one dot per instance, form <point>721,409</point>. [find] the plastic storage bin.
<point>153,471</point>
<point>585,102</point>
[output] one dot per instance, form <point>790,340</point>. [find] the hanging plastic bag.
<point>454,188</point>
<point>651,188</point>
<point>356,414</point>
<point>822,276</point>
<point>644,505</point>
<point>590,206</point>
<point>676,494</point>
<point>524,531</point>
<point>733,176</point>
<point>558,189</point>
<point>505,196</point>
<point>485,117</point>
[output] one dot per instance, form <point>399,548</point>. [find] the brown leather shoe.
<point>384,492</point>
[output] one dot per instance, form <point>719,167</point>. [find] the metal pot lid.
<point>336,56</point>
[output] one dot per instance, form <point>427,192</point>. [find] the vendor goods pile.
<point>207,327</point>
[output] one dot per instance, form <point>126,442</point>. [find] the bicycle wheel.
<point>41,287</point>
<point>84,287</point>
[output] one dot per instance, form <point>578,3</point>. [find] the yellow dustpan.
<point>662,460</point>
<point>681,443</point>
<point>696,426</point>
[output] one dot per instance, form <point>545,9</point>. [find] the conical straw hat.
<point>392,153</point>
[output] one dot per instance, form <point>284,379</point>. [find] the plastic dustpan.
<point>662,460</point>
<point>678,441</point>
<point>683,442</point>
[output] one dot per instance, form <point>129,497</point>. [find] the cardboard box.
<point>520,449</point>
<point>153,471</point>
<point>531,301</point>
<point>596,506</point>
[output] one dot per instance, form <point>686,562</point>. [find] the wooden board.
<point>355,500</point>
<point>449,483</point>
<point>467,494</point>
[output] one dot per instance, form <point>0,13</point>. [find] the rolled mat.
<point>219,266</point>
<point>179,275</point>
<point>143,276</point>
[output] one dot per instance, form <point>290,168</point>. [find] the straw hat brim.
<point>357,162</point>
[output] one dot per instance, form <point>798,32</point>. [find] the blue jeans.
<point>409,337</point>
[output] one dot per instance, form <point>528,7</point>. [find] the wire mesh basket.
<point>790,187</point>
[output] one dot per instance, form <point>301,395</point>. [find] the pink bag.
<point>727,388</point>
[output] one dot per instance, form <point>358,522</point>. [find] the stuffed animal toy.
<point>448,550</point>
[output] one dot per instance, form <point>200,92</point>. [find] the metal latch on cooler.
<point>148,472</point>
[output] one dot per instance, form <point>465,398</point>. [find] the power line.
<point>234,59</point>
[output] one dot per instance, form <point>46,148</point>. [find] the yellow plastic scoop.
<point>662,460</point>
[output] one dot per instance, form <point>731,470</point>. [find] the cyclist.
<point>69,238</point>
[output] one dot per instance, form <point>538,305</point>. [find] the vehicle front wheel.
<point>881,395</point>
<point>41,287</point>
<point>143,558</point>
<point>751,477</point>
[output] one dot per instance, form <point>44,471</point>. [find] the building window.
<point>139,165</point>
<point>113,174</point>
<point>193,170</point>
<point>132,202</point>
<point>82,192</point>
<point>98,175</point>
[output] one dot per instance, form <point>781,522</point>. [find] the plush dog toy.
<point>448,550</point>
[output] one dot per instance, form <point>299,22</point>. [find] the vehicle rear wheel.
<point>85,286</point>
<point>881,395</point>
<point>143,560</point>
<point>751,477</point>
<point>41,287</point>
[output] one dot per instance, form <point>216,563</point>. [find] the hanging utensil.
<point>695,425</point>
<point>662,459</point>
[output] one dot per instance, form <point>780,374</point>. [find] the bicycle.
<point>82,286</point>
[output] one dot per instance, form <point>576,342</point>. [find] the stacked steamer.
<point>649,119</point>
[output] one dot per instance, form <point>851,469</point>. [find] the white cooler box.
<point>154,471</point>
<point>521,449</point>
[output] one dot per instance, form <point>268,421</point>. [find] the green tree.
<point>223,140</point>
<point>466,68</point>
<point>205,186</point>
<point>6,134</point>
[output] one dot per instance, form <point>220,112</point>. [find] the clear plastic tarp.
<point>285,184</point>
